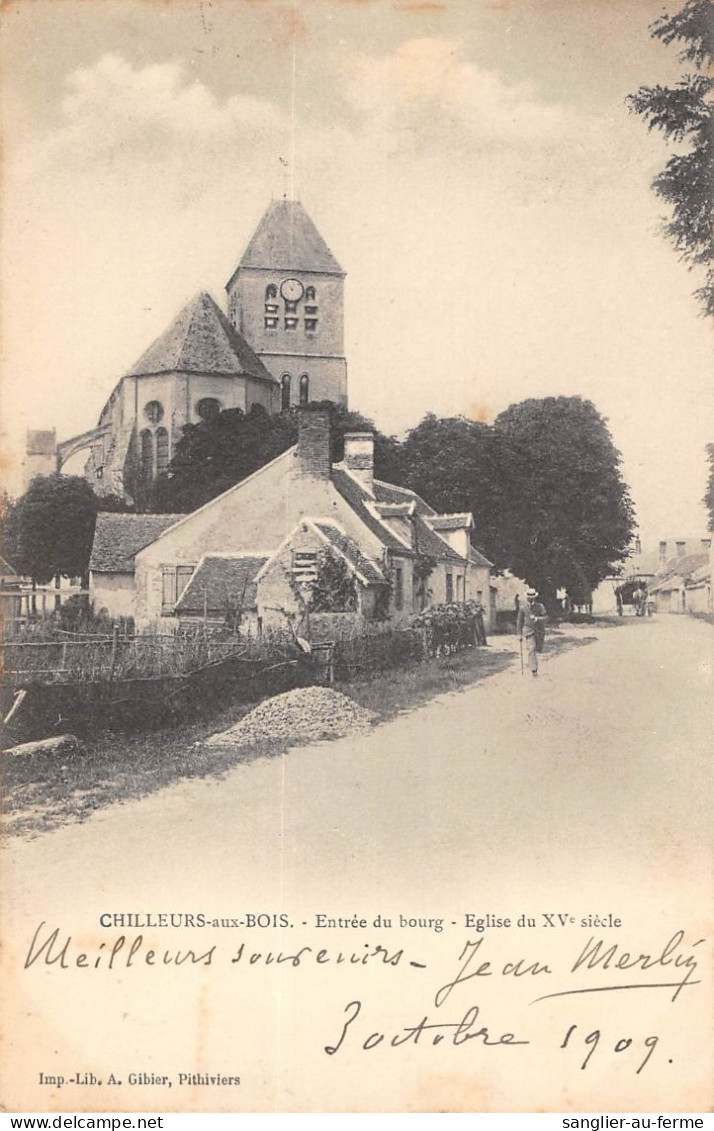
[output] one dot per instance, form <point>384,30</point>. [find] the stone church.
<point>281,345</point>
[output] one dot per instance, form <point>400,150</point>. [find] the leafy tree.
<point>708,499</point>
<point>685,115</point>
<point>566,517</point>
<point>455,464</point>
<point>215,455</point>
<point>49,530</point>
<point>334,589</point>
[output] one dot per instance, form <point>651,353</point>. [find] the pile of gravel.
<point>302,715</point>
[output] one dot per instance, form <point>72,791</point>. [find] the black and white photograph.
<point>357,441</point>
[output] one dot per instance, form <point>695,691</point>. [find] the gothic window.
<point>154,411</point>
<point>310,294</point>
<point>271,292</point>
<point>147,456</point>
<point>304,389</point>
<point>285,390</point>
<point>162,450</point>
<point>208,408</point>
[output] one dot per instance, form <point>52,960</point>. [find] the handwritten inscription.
<point>454,1016</point>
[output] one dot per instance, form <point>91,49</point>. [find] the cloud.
<point>427,89</point>
<point>116,116</point>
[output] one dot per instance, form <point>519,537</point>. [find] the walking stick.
<point>520,641</point>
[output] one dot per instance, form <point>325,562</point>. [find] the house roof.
<point>118,537</point>
<point>287,240</point>
<point>221,582</point>
<point>678,570</point>
<point>462,521</point>
<point>349,549</point>
<point>700,576</point>
<point>201,340</point>
<point>359,499</point>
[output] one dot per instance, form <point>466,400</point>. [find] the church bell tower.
<point>286,298</point>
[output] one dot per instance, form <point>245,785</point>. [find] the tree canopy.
<point>216,454</point>
<point>565,514</point>
<point>685,115</point>
<point>49,530</point>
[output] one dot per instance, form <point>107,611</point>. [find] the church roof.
<point>287,240</point>
<point>201,340</point>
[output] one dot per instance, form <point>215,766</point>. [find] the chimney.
<point>681,547</point>
<point>663,551</point>
<point>313,446</point>
<point>359,456</point>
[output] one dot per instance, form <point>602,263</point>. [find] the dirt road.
<point>587,789</point>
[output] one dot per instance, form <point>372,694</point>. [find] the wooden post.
<point>113,657</point>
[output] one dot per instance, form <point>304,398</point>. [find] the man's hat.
<point>531,592</point>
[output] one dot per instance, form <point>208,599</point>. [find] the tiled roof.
<point>390,493</point>
<point>367,569</point>
<point>287,240</point>
<point>681,567</point>
<point>395,510</point>
<point>118,537</point>
<point>201,340</point>
<point>221,582</point>
<point>701,575</point>
<point>462,521</point>
<point>358,498</point>
<point>477,558</point>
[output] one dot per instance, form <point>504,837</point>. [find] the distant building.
<point>645,566</point>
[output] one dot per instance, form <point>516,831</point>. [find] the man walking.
<point>531,618</point>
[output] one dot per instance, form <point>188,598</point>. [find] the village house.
<point>682,584</point>
<point>252,555</point>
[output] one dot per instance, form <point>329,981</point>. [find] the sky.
<point>472,164</point>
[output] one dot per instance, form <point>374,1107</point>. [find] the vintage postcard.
<point>356,574</point>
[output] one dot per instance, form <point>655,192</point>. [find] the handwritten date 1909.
<point>593,1039</point>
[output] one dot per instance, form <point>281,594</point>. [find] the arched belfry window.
<point>285,390</point>
<point>162,450</point>
<point>304,389</point>
<point>147,456</point>
<point>271,292</point>
<point>310,294</point>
